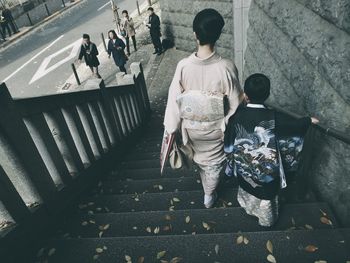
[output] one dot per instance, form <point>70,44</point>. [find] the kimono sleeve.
<point>288,126</point>
<point>230,136</point>
<point>233,90</point>
<point>172,113</point>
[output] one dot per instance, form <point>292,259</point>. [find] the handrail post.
<point>138,8</point>
<point>76,74</point>
<point>104,42</point>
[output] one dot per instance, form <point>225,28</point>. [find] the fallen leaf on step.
<point>206,226</point>
<point>269,246</point>
<point>239,240</point>
<point>245,240</point>
<point>217,249</point>
<point>160,187</point>
<point>141,260</point>
<point>311,248</point>
<point>127,258</point>
<point>293,221</point>
<point>188,219</point>
<point>149,230</point>
<point>51,252</point>
<point>106,227</point>
<point>323,261</point>
<point>137,199</point>
<point>323,212</point>
<point>161,254</point>
<point>104,248</point>
<point>156,230</point>
<point>99,250</point>
<point>40,253</point>
<point>309,227</point>
<point>229,204</point>
<point>192,203</point>
<point>168,217</point>
<point>100,234</point>
<point>326,221</point>
<point>92,222</point>
<point>175,199</point>
<point>95,257</point>
<point>176,260</point>
<point>171,208</point>
<point>84,223</point>
<point>271,258</point>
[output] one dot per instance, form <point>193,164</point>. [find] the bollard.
<point>76,74</point>
<point>63,3</point>
<point>47,10</point>
<point>30,21</point>
<point>104,41</point>
<point>138,7</point>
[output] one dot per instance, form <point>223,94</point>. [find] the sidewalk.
<point>25,30</point>
<point>108,69</point>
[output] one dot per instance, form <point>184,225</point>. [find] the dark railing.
<point>52,148</point>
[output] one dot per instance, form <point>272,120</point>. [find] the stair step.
<point>151,173</point>
<point>288,247</point>
<point>135,156</point>
<point>229,220</point>
<point>160,185</point>
<point>141,164</point>
<point>153,201</point>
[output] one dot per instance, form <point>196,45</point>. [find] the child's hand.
<point>314,120</point>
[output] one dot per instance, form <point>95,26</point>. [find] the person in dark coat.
<point>154,27</point>
<point>116,48</point>
<point>6,13</point>
<point>5,26</point>
<point>1,33</point>
<point>89,51</point>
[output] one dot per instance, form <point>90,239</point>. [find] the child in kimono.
<point>195,108</point>
<point>254,156</point>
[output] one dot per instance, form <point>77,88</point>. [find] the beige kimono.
<point>212,75</point>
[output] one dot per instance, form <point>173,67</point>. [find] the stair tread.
<point>151,173</point>
<point>229,220</point>
<point>154,201</point>
<point>288,247</point>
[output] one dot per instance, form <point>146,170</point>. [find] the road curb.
<point>25,32</point>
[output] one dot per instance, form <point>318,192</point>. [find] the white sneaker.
<point>209,200</point>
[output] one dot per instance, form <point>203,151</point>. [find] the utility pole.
<point>115,9</point>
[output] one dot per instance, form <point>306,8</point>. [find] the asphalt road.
<point>39,63</point>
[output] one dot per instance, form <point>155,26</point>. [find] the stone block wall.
<point>304,47</point>
<point>177,18</point>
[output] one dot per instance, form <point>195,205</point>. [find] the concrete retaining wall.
<point>304,47</point>
<point>38,13</point>
<point>177,18</point>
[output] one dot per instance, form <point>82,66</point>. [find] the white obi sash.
<point>201,110</point>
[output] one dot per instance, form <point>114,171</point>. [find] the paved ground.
<point>39,64</point>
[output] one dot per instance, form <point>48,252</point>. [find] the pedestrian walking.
<point>5,26</point>
<point>116,48</point>
<point>204,94</point>
<point>2,33</point>
<point>128,30</point>
<point>89,51</point>
<point>7,14</point>
<point>154,27</point>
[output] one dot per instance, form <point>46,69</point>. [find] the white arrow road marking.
<point>43,70</point>
<point>30,60</point>
<point>103,6</point>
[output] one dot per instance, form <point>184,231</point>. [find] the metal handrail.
<point>342,136</point>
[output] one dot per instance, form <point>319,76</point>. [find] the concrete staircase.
<point>137,215</point>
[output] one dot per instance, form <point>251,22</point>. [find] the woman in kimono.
<point>203,83</point>
<point>116,48</point>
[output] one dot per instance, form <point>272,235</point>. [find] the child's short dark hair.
<point>150,9</point>
<point>257,88</point>
<point>208,25</point>
<point>86,36</point>
<point>125,12</point>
